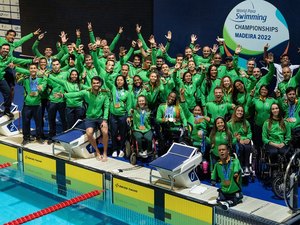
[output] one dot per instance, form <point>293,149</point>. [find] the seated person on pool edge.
<point>228,170</point>
<point>96,114</point>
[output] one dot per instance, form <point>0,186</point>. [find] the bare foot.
<point>99,157</point>
<point>104,158</point>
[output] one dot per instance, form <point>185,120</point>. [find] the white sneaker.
<point>115,154</point>
<point>246,171</point>
<point>213,202</point>
<point>143,154</point>
<point>224,205</point>
<point>121,154</point>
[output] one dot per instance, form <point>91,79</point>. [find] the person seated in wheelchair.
<point>228,171</point>
<point>276,134</point>
<point>240,128</point>
<point>291,107</point>
<point>220,134</point>
<point>142,127</point>
<point>171,118</point>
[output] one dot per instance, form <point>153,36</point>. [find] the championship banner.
<point>253,24</point>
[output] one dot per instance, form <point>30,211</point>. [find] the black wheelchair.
<point>133,152</point>
<point>272,174</point>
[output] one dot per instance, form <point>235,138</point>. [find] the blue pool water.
<point>20,199</point>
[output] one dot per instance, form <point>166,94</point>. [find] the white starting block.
<point>177,166</point>
<point>75,143</point>
<point>7,126</point>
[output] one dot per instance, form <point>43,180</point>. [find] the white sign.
<point>254,23</point>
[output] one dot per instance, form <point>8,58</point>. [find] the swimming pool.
<point>18,198</point>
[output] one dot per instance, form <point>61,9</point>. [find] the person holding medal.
<point>33,87</point>
<point>291,107</point>
<point>141,125</point>
<point>171,118</point>
<point>119,113</point>
<point>228,171</point>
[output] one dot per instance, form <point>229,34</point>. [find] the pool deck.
<point>253,206</point>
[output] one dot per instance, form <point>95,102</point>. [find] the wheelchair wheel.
<point>127,149</point>
<point>278,187</point>
<point>133,158</point>
<point>293,168</point>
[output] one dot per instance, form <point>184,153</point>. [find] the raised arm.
<point>116,39</point>
<point>35,49</point>
<point>26,38</point>
<point>138,29</point>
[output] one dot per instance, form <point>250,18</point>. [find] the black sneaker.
<point>25,142</point>
<point>49,142</point>
<point>9,114</point>
<point>31,139</point>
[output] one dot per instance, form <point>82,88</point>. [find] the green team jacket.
<point>192,120</point>
<point>220,138</point>
<point>177,114</point>
<point>168,85</point>
<point>242,98</point>
<point>56,87</point>
<point>16,44</point>
<point>292,82</point>
<point>59,55</point>
<point>121,103</point>
<point>207,95</point>
<point>276,134</point>
<point>135,93</point>
<point>287,108</point>
<point>227,95</point>
<point>237,128</point>
<point>4,62</point>
<point>69,87</point>
<point>143,73</point>
<point>265,80</point>
<point>153,93</point>
<point>262,108</point>
<point>133,70</point>
<point>32,100</point>
<point>190,88</point>
<point>98,105</point>
<point>136,116</point>
<point>216,109</point>
<point>232,167</point>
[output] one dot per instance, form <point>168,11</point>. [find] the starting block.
<point>75,142</point>
<point>7,126</point>
<point>177,166</point>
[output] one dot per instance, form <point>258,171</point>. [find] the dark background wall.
<point>183,18</point>
<point>106,16</point>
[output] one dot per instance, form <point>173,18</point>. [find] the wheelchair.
<point>132,149</point>
<point>291,181</point>
<point>171,134</point>
<point>272,174</point>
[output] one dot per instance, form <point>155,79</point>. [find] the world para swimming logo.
<point>254,23</point>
